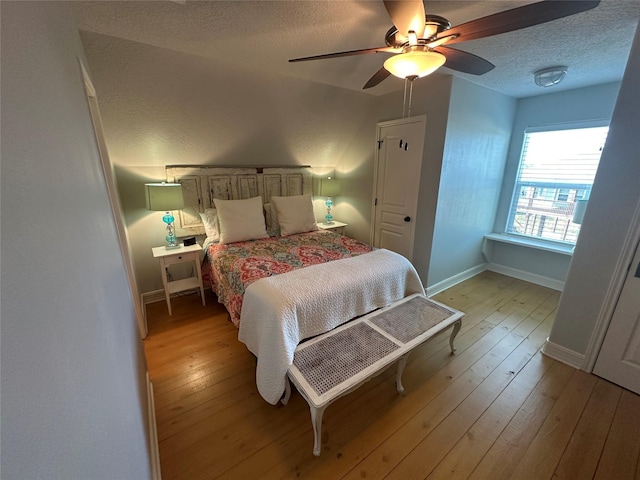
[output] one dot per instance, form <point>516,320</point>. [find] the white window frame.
<point>575,191</point>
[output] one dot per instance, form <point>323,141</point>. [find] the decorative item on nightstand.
<point>329,187</point>
<point>165,197</point>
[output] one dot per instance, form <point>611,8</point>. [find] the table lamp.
<point>329,187</point>
<point>165,197</point>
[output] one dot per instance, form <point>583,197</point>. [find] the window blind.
<point>562,156</point>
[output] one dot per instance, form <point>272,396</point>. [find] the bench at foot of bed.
<point>338,362</point>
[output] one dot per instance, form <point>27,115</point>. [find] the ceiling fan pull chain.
<point>406,106</point>
<point>410,94</point>
<point>404,99</point>
<point>409,79</point>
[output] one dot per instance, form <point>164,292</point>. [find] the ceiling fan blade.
<point>520,17</point>
<point>465,62</point>
<point>347,53</point>
<point>407,15</point>
<point>378,77</point>
<point>441,40</point>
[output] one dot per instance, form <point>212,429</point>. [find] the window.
<point>557,168</point>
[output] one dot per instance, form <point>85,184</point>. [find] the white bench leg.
<point>401,364</point>
<point>454,332</point>
<point>316,421</point>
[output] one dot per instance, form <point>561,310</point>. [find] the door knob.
<point>407,219</point>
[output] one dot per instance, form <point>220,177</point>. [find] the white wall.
<point>614,198</point>
<point>477,138</point>
<point>431,98</point>
<point>590,103</point>
<point>161,107</point>
<point>73,374</point>
<point>468,131</point>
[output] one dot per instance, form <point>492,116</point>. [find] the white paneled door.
<point>397,183</point>
<point>619,357</point>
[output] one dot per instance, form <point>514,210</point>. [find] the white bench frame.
<point>318,403</point>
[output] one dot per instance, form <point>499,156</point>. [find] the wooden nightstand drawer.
<point>184,257</point>
<point>337,227</point>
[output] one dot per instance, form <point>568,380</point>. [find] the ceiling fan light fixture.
<point>550,76</point>
<point>415,63</point>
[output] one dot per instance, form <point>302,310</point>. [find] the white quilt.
<point>279,312</point>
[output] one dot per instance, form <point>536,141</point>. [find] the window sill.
<point>531,243</point>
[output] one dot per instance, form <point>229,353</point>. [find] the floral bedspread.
<point>231,268</point>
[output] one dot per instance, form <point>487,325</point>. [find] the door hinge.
<point>375,202</point>
<point>380,144</point>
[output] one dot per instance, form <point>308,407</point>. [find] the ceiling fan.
<point>420,41</point>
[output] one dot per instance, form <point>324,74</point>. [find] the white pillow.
<point>210,222</point>
<point>240,220</point>
<point>295,214</point>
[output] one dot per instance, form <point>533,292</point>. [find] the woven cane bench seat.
<point>331,365</point>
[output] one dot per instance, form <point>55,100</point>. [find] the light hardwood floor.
<point>496,409</point>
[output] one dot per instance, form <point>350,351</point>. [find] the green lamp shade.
<point>163,197</point>
<point>329,187</point>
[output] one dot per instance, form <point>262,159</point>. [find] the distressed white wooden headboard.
<point>201,184</point>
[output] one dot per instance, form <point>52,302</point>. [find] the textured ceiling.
<point>265,34</point>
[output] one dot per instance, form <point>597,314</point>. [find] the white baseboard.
<point>144,316</point>
<point>153,433</point>
<point>563,354</point>
<point>153,297</point>
<point>458,278</point>
<point>527,276</point>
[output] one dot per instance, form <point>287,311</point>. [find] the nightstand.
<point>337,227</point>
<point>172,257</point>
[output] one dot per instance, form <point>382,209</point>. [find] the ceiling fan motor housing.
<point>434,25</point>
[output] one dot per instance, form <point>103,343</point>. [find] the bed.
<point>281,279</point>
<point>230,268</point>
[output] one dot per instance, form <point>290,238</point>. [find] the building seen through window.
<point>557,168</point>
